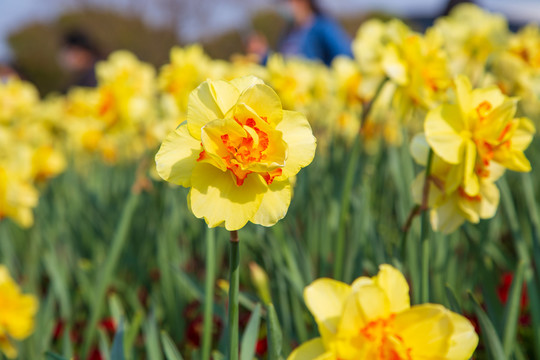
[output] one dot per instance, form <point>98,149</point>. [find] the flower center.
<point>387,343</point>
<point>463,194</point>
<point>483,109</point>
<point>248,153</point>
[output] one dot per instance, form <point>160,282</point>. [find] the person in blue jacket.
<point>312,34</point>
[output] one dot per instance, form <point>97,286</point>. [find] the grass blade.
<point>251,334</point>
<point>169,348</point>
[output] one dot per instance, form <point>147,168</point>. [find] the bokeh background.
<point>31,31</point>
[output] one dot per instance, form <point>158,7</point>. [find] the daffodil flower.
<point>479,129</point>
<point>372,319</point>
<point>450,206</point>
<point>17,313</point>
<point>237,152</point>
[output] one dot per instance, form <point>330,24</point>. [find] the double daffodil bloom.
<point>449,203</point>
<point>237,151</point>
<point>479,129</point>
<point>372,320</point>
<point>17,313</point>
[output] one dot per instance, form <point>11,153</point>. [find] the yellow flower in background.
<point>17,100</point>
<point>450,206</point>
<point>479,129</point>
<point>372,319</point>
<point>294,80</point>
<point>471,36</point>
<point>17,197</point>
<point>189,67</point>
<point>126,89</point>
<point>418,65</point>
<point>237,152</point>
<point>517,70</point>
<point>17,313</point>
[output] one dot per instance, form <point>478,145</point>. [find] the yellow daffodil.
<point>372,320</point>
<point>18,197</point>
<point>471,36</point>
<point>237,151</point>
<point>418,65</point>
<point>17,313</point>
<point>17,99</point>
<point>450,206</point>
<point>189,67</point>
<point>479,129</point>
<point>517,70</point>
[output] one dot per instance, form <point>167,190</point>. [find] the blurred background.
<point>32,32</point>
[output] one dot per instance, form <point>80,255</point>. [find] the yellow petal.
<point>210,101</point>
<point>264,101</point>
<point>311,350</point>
<point>443,127</point>
<point>394,66</point>
<point>419,149</point>
<point>275,203</point>
<point>447,217</point>
<point>463,92</point>
<point>7,348</point>
<point>464,339</point>
<point>426,330</point>
<point>325,299</point>
<point>395,286</point>
<point>177,156</point>
<point>523,135</point>
<point>493,95</point>
<point>470,181</point>
<point>483,207</point>
<point>215,197</point>
<point>299,138</point>
<point>277,151</point>
<point>245,82</point>
<point>211,138</point>
<point>372,302</point>
<point>21,325</point>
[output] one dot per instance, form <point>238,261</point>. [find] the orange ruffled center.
<point>241,153</point>
<point>387,344</point>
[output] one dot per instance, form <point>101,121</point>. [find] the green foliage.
<point>98,252</point>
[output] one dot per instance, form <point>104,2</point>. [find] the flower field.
<point>386,207</point>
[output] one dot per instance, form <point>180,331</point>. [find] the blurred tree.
<point>36,47</point>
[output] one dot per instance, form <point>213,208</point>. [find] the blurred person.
<point>310,33</point>
<point>7,72</point>
<point>79,56</point>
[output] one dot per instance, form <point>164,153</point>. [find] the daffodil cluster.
<point>118,119</point>
<point>473,140</point>
<point>29,152</point>
<point>372,319</point>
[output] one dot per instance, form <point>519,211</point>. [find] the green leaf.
<point>117,349</point>
<point>153,350</point>
<point>52,356</point>
<point>452,301</point>
<point>251,334</point>
<point>171,352</point>
<point>512,310</point>
<point>488,332</point>
<point>275,337</point>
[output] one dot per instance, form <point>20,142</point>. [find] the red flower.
<point>504,289</point>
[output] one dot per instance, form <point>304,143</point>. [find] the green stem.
<point>208,294</point>
<point>425,235</point>
<point>347,188</point>
<point>234,279</point>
